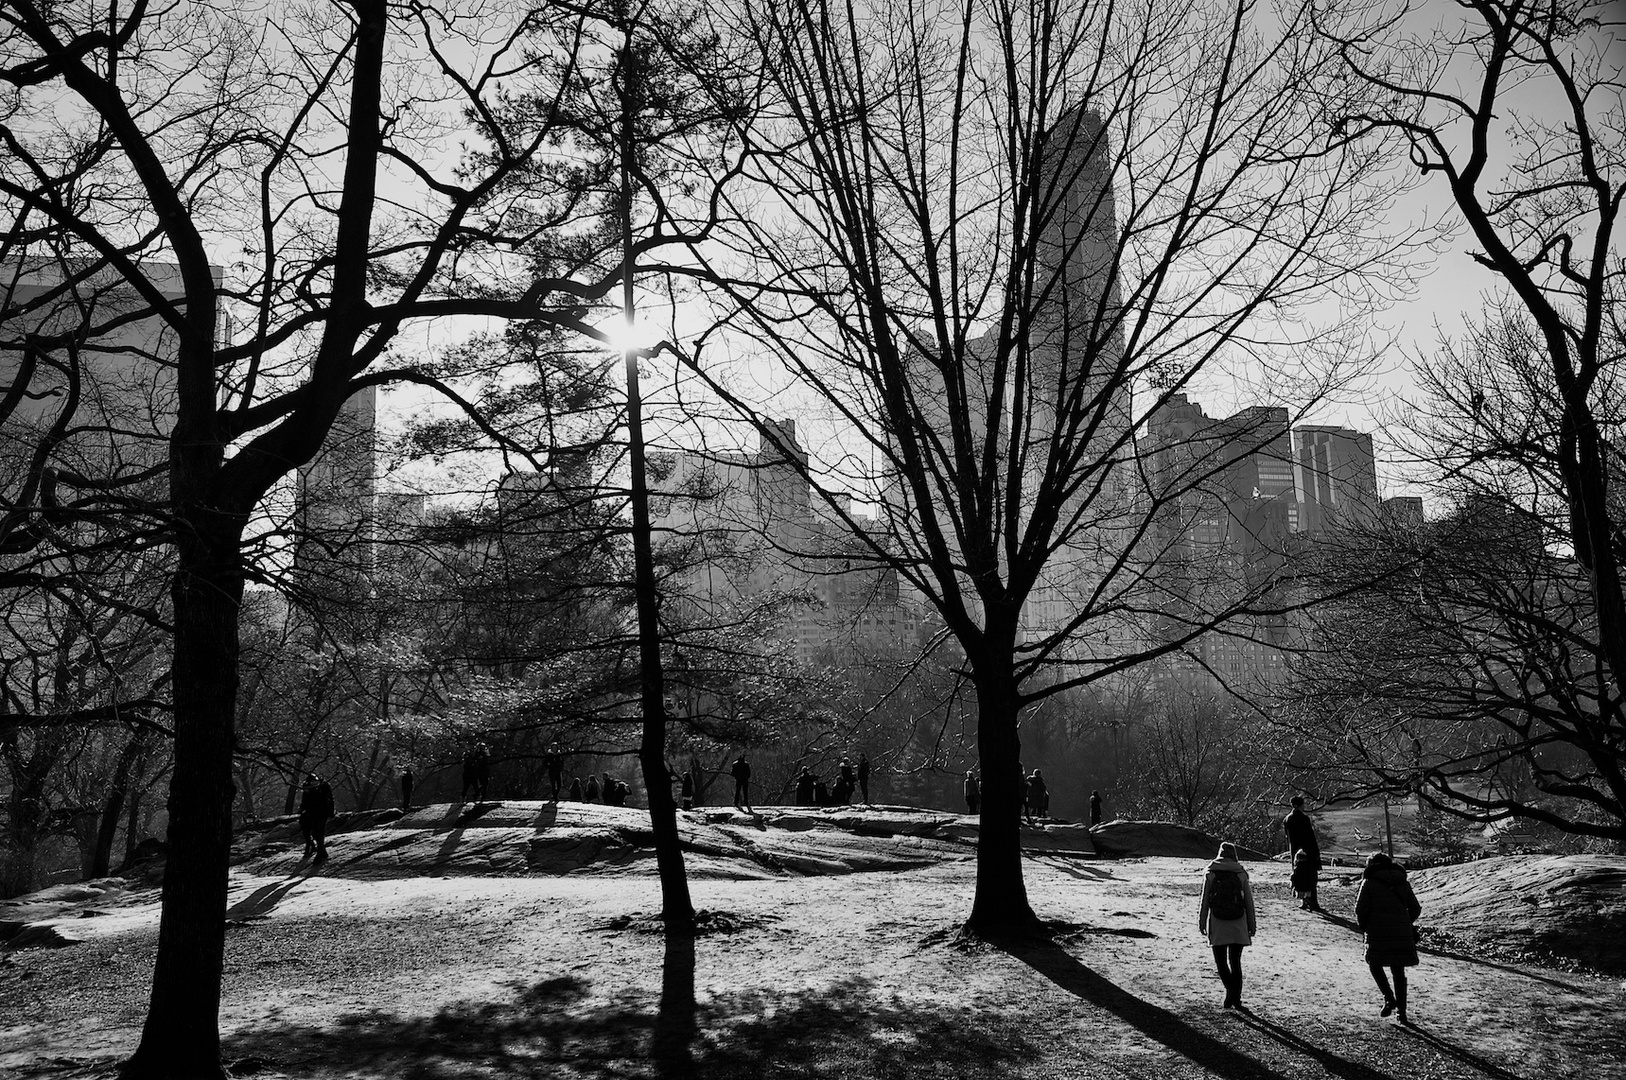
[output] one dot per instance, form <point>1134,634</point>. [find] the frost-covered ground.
<point>518,941</point>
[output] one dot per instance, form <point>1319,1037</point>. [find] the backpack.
<point>1225,899</point>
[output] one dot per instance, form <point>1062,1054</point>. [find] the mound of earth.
<point>1151,839</point>
<point>1530,908</point>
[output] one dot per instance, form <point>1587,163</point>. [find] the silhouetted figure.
<point>1303,878</point>
<point>804,788</point>
<point>1038,796</point>
<point>741,772</point>
<point>554,762</point>
<point>694,780</point>
<point>973,792</point>
<point>1386,910</point>
<point>615,792</point>
<point>863,777</point>
<point>843,793</point>
<point>592,788</point>
<point>821,793</point>
<point>1301,837</point>
<point>686,785</point>
<point>476,772</point>
<point>575,789</point>
<point>315,807</point>
<point>1226,915</point>
<point>1095,808</point>
<point>407,780</point>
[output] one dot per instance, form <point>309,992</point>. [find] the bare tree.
<point>985,240</point>
<point>1516,110</point>
<point>292,148</point>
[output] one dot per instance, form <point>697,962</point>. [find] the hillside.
<point>518,940</point>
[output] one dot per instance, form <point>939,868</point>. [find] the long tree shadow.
<point>1159,1024</point>
<point>262,901</point>
<point>557,1028</point>
<point>1467,1057</point>
<point>1454,954</point>
<point>1334,1064</point>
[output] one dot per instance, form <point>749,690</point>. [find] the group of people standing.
<point>1386,911</point>
<point>850,778</point>
<point>1035,796</point>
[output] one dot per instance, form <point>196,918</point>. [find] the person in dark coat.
<point>862,772</point>
<point>575,789</point>
<point>1229,928</point>
<point>407,780</point>
<point>554,761</point>
<point>1095,808</point>
<point>804,787</point>
<point>1301,837</point>
<point>741,772</point>
<point>591,794</point>
<point>482,771</point>
<point>686,789</point>
<point>973,792</point>
<point>846,782</point>
<point>1038,796</point>
<point>315,807</point>
<point>1386,910</point>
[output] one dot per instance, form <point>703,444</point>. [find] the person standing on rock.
<point>1386,910</point>
<point>407,780</point>
<point>1038,796</point>
<point>554,761</point>
<point>315,807</point>
<point>576,789</point>
<point>591,794</point>
<point>804,787</point>
<point>862,773</point>
<point>1095,808</point>
<point>741,772</point>
<point>686,789</point>
<point>1226,915</point>
<point>846,782</point>
<point>973,792</point>
<point>1301,837</point>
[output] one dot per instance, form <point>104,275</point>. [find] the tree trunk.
<point>113,808</point>
<point>181,1038</point>
<point>1000,907</point>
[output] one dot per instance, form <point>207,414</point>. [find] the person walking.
<point>407,780</point>
<point>973,792</point>
<point>1386,910</point>
<point>1301,837</point>
<point>315,807</point>
<point>862,772</point>
<point>741,772</point>
<point>1226,915</point>
<point>1095,808</point>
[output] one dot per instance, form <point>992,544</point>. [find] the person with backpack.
<point>741,772</point>
<point>1227,917</point>
<point>1386,910</point>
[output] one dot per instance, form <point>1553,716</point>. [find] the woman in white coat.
<point>1227,917</point>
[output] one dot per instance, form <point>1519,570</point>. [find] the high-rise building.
<point>1335,473</point>
<point>336,512</point>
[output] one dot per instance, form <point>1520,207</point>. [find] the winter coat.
<point>1301,835</point>
<point>1227,931</point>
<point>1305,873</point>
<point>1386,910</point>
<point>316,802</point>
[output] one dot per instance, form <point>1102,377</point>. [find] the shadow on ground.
<point>553,1029</point>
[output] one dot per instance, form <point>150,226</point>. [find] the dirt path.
<point>851,976</point>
